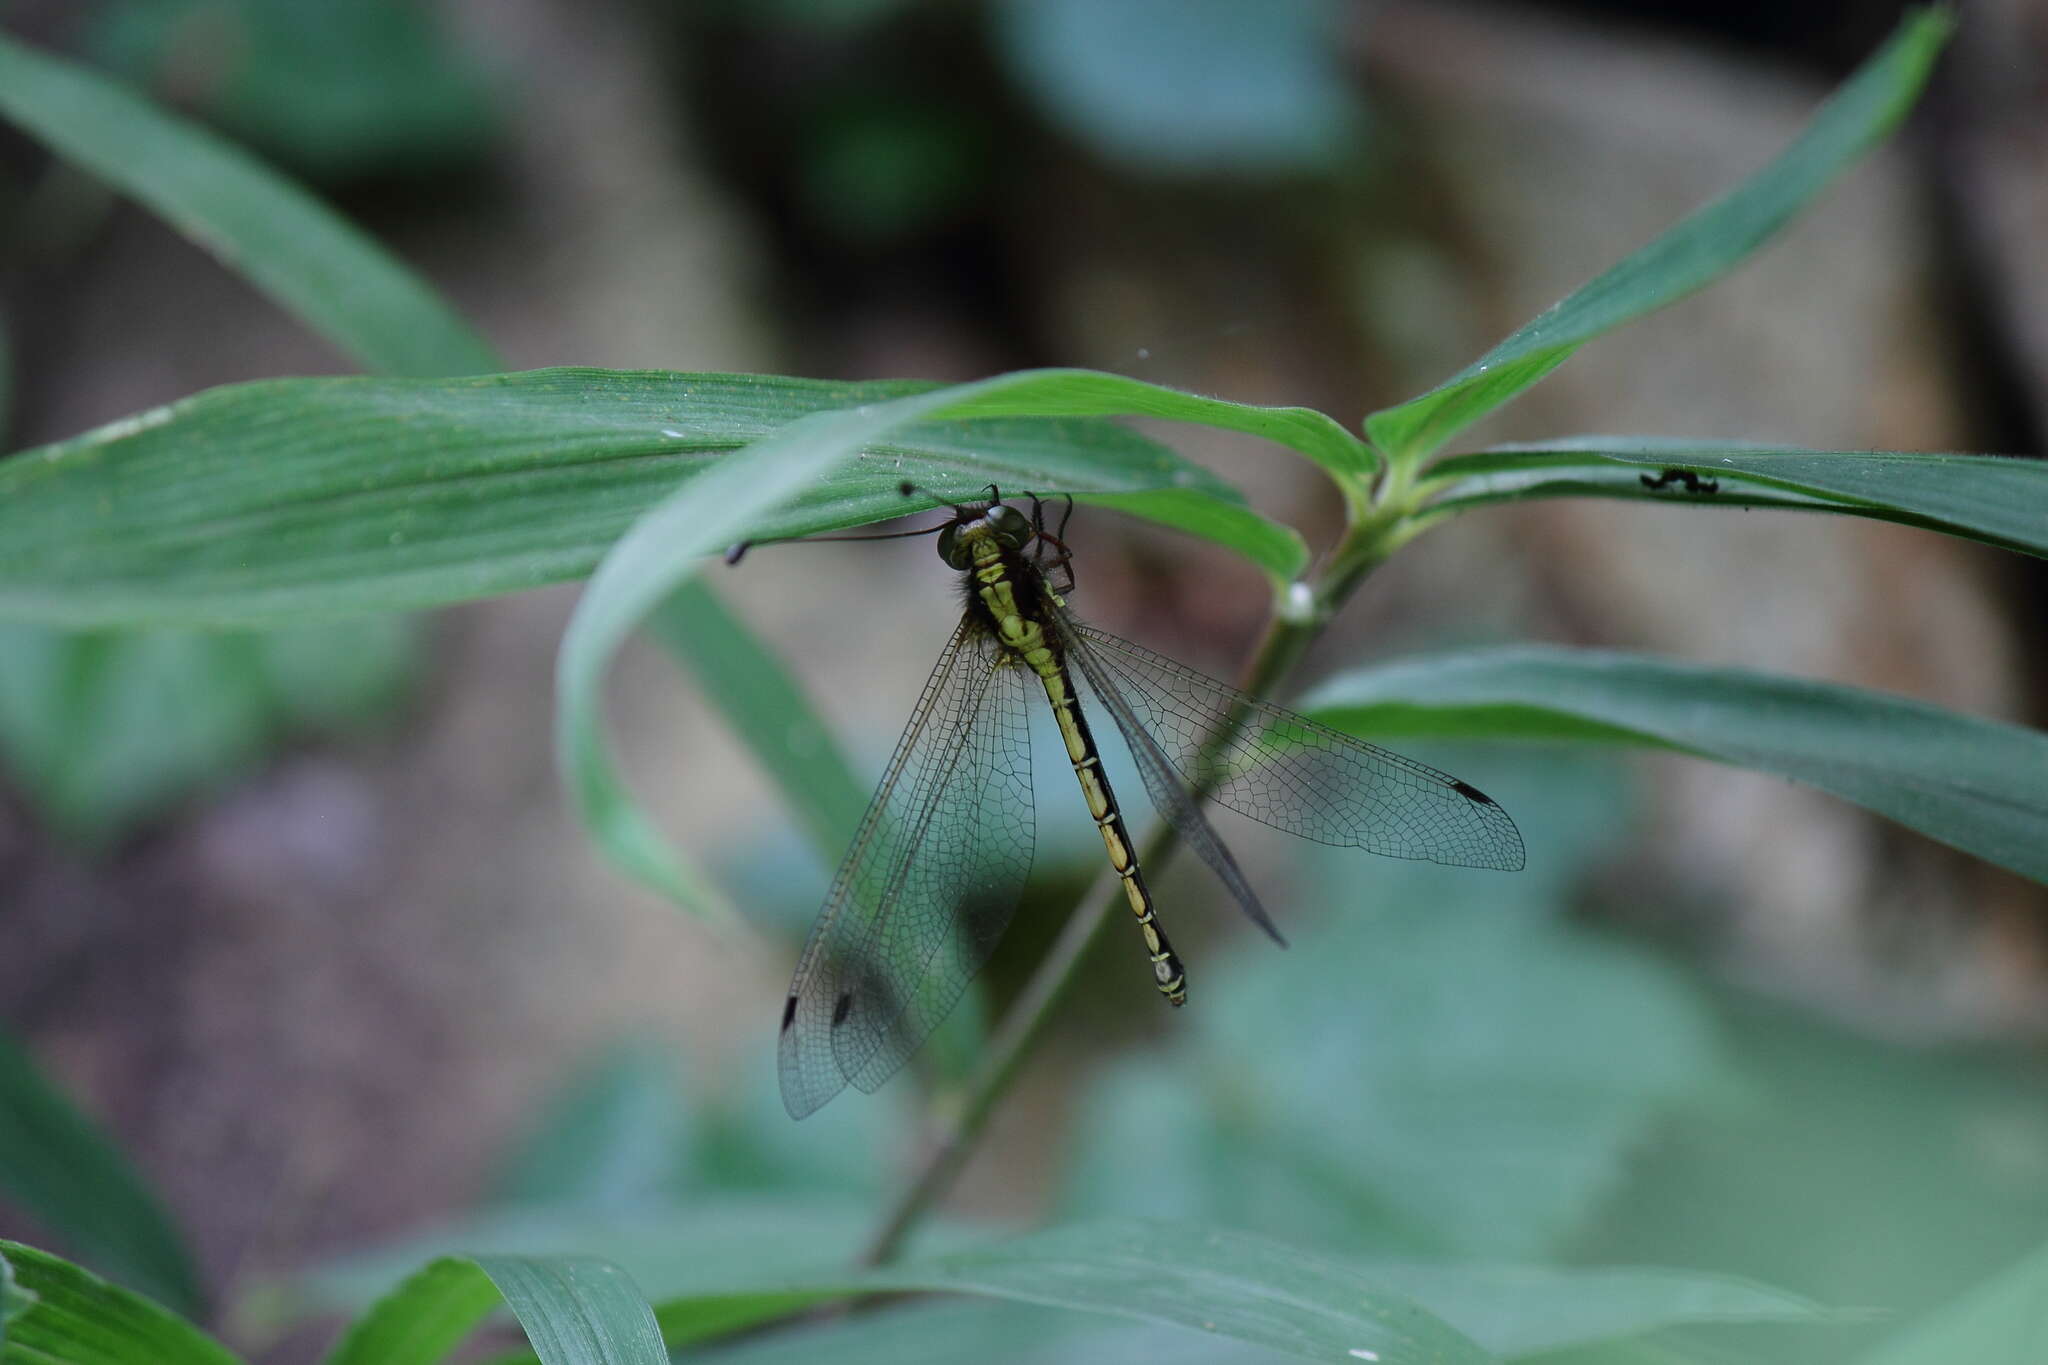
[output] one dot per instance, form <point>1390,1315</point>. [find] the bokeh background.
<point>303,919</point>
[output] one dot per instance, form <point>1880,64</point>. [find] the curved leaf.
<point>59,1314</point>
<point>575,1310</point>
<point>275,500</point>
<point>1998,1323</point>
<point>1691,255</point>
<point>763,490</point>
<point>423,1319</point>
<point>1257,1291</point>
<point>56,1163</point>
<point>312,262</point>
<point>1976,784</point>
<point>1231,1285</point>
<point>1998,499</point>
<point>765,706</point>
<point>1523,1310</point>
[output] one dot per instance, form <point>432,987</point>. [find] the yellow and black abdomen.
<point>1014,596</point>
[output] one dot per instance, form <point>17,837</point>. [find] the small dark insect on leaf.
<point>1692,482</point>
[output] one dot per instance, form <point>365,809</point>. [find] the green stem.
<point>959,1127</point>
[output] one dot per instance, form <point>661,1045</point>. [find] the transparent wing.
<point>1170,795</point>
<point>1286,771</point>
<point>927,887</point>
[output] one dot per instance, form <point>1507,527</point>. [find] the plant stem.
<point>1381,523</point>
<point>959,1130</point>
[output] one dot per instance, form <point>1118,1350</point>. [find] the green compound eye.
<point>1011,529</point>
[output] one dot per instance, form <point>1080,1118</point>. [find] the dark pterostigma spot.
<point>842,1009</point>
<point>1470,792</point>
<point>789,1014</point>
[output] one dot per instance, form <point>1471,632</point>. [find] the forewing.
<point>1169,793</point>
<point>927,887</point>
<point>1286,771</point>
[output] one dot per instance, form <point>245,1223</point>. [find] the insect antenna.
<point>734,553</point>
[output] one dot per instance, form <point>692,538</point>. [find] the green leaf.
<point>578,1310</point>
<point>273,501</point>
<point>1231,1285</point>
<point>58,1165</point>
<point>768,710</point>
<point>746,496</point>
<point>1691,255</point>
<point>948,1331</point>
<point>262,226</point>
<point>68,1316</point>
<point>317,267</point>
<point>104,730</point>
<point>14,1300</point>
<point>1976,784</point>
<point>361,89</point>
<point>1524,1310</point>
<point>2000,1323</point>
<point>1995,499</point>
<point>423,1319</point>
<point>1518,1059</point>
<point>575,1310</point>
<point>1257,1291</point>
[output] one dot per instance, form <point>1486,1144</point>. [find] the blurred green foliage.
<point>106,729</point>
<point>333,91</point>
<point>1246,87</point>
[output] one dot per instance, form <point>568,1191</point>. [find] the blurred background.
<point>302,918</point>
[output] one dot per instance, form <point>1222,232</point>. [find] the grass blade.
<point>767,709</point>
<point>277,500</point>
<point>58,1314</point>
<point>60,1166</point>
<point>1688,257</point>
<point>1995,499</point>
<point>745,495</point>
<point>575,1310</point>
<point>316,266</point>
<point>1975,784</point>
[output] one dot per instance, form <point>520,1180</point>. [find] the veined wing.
<point>1287,771</point>
<point>927,887</point>
<point>1170,795</point>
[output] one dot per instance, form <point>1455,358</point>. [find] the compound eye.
<point>1012,527</point>
<point>952,551</point>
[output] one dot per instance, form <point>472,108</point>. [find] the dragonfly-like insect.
<point>940,859</point>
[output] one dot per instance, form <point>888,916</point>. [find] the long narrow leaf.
<point>319,268</point>
<point>744,495</point>
<point>1691,255</point>
<point>67,1316</point>
<point>57,1163</point>
<point>2002,1322</point>
<point>1976,784</point>
<point>767,709</point>
<point>1999,500</point>
<point>1265,1293</point>
<point>1230,1285</point>
<point>423,1319</point>
<point>575,1310</point>
<point>275,500</point>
